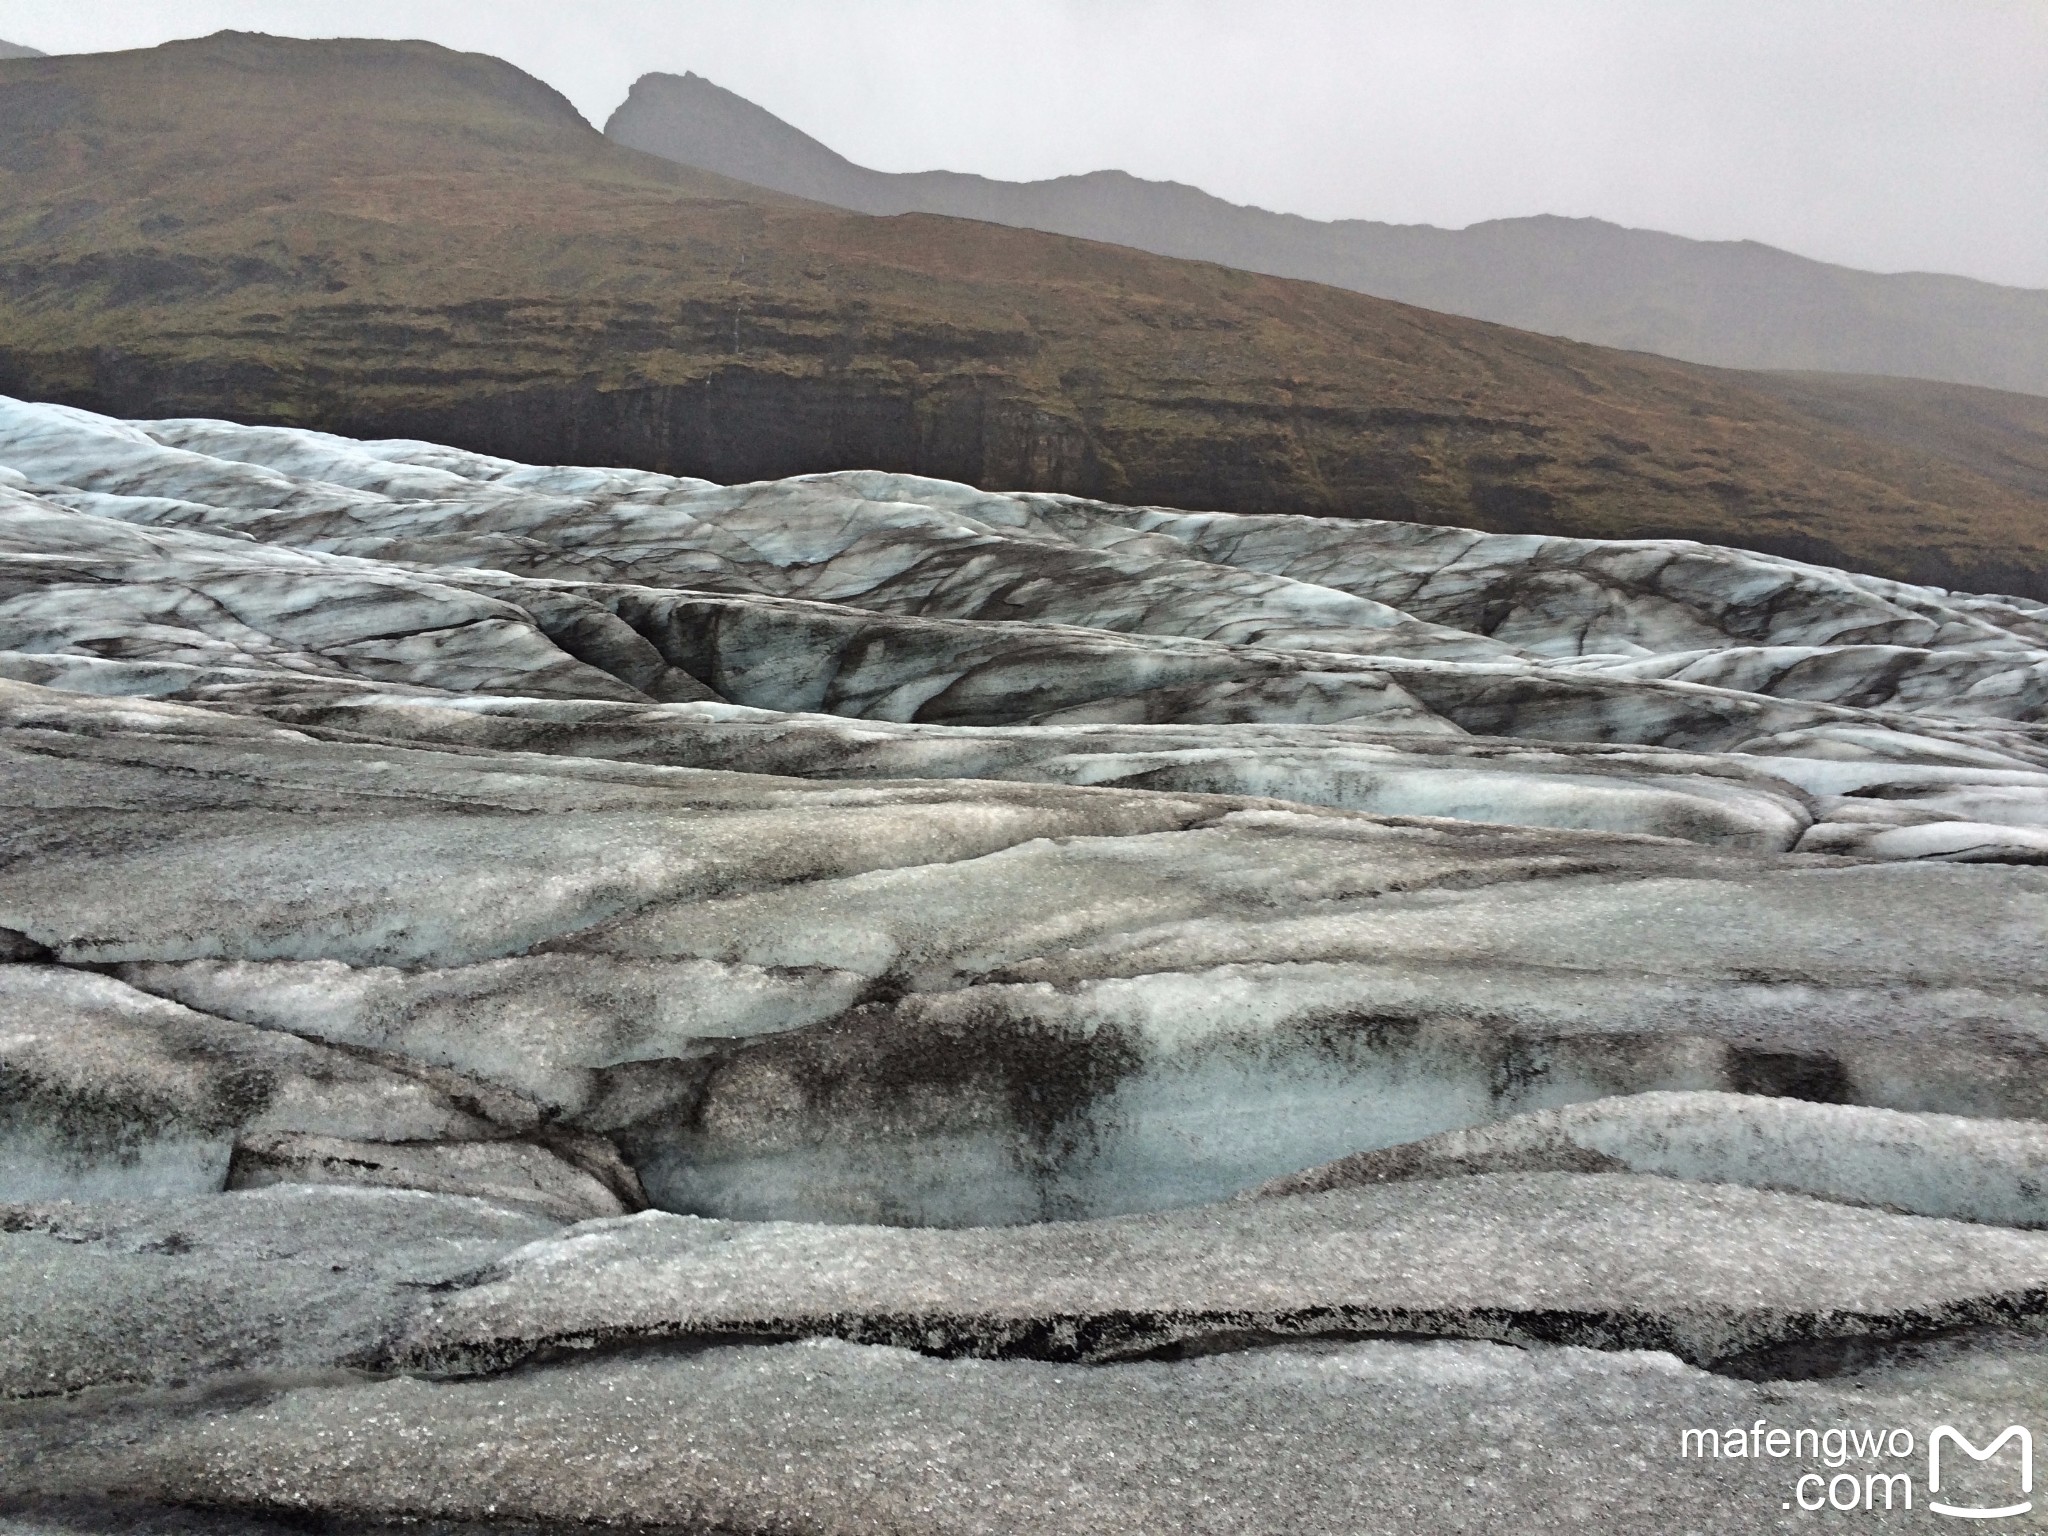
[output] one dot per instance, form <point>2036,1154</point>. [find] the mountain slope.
<point>19,51</point>
<point>2000,434</point>
<point>1737,304</point>
<point>393,239</point>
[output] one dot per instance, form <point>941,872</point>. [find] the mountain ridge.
<point>1735,304</point>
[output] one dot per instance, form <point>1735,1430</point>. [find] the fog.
<point>1888,134</point>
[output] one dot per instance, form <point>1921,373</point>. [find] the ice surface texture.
<point>981,925</point>
<point>1931,1165</point>
<point>1368,1439</point>
<point>1617,1260</point>
<point>288,1278</point>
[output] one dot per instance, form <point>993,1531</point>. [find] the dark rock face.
<point>737,424</point>
<point>1106,974</point>
<point>743,423</point>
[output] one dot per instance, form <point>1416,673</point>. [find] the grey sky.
<point>1891,134</point>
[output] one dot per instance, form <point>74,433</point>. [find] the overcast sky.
<point>1891,134</point>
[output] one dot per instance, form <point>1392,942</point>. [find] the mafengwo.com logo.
<point>1844,1470</point>
<point>1946,1434</point>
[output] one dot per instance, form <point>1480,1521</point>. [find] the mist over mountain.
<point>18,51</point>
<point>1735,304</point>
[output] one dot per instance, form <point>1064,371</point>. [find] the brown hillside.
<point>385,238</point>
<point>1998,433</point>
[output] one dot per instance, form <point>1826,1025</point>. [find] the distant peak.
<point>698,122</point>
<point>658,80</point>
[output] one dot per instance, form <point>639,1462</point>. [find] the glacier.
<point>840,951</point>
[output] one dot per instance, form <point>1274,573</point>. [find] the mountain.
<point>17,51</point>
<point>392,239</point>
<point>1736,304</point>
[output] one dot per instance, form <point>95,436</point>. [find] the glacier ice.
<point>1614,1259</point>
<point>290,1278</point>
<point>1973,1169</point>
<point>988,924</point>
<point>1377,1438</point>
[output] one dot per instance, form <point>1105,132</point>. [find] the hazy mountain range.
<point>1736,304</point>
<point>395,240</point>
<point>17,51</point>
